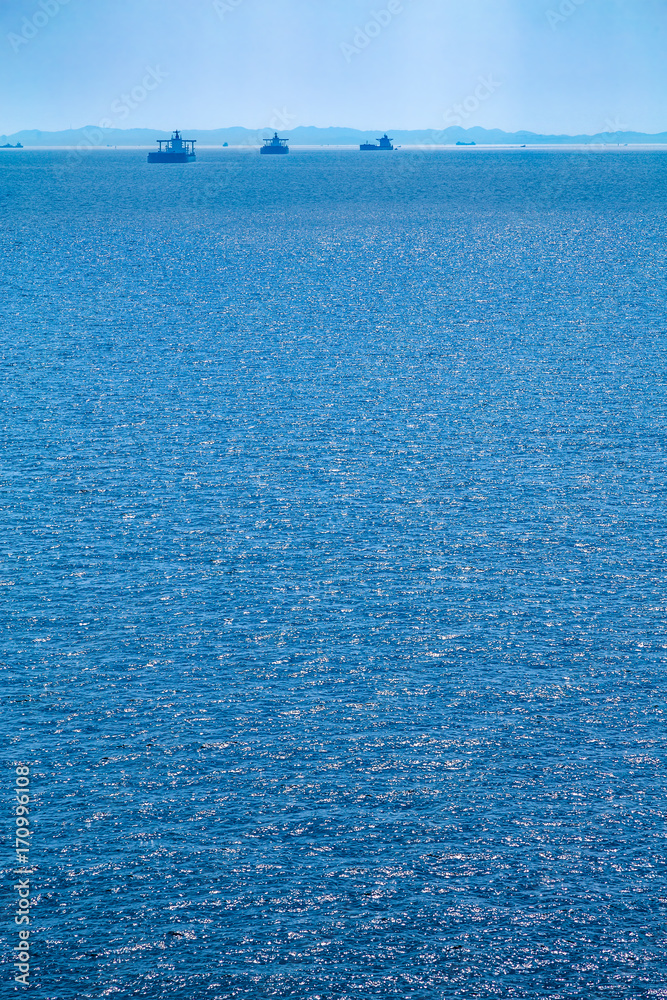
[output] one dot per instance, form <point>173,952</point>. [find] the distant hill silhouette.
<point>311,136</point>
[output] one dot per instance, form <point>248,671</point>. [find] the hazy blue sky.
<point>548,65</point>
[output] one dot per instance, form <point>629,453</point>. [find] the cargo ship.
<point>176,150</point>
<point>274,146</point>
<point>384,143</point>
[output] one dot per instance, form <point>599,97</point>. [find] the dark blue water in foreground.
<point>333,567</point>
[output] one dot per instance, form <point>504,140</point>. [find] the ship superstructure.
<point>174,150</point>
<point>385,143</point>
<point>275,145</point>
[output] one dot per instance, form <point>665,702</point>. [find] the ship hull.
<point>171,157</point>
<point>366,148</point>
<point>274,151</point>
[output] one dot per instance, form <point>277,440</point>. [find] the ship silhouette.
<point>176,150</point>
<point>385,143</point>
<point>275,145</point>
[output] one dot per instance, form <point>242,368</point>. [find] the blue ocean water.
<point>333,566</point>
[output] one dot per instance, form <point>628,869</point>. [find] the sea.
<point>333,573</point>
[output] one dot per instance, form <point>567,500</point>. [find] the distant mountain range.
<point>311,136</point>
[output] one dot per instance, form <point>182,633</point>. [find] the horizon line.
<point>342,128</point>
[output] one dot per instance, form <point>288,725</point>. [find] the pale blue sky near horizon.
<point>551,66</point>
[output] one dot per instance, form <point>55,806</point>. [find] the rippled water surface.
<point>333,571</point>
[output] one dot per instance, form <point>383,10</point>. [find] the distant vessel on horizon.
<point>385,143</point>
<point>461,143</point>
<point>275,145</point>
<point>176,150</point>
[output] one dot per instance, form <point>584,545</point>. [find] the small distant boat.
<point>384,143</point>
<point>459,143</point>
<point>8,145</point>
<point>176,150</point>
<point>275,145</point>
